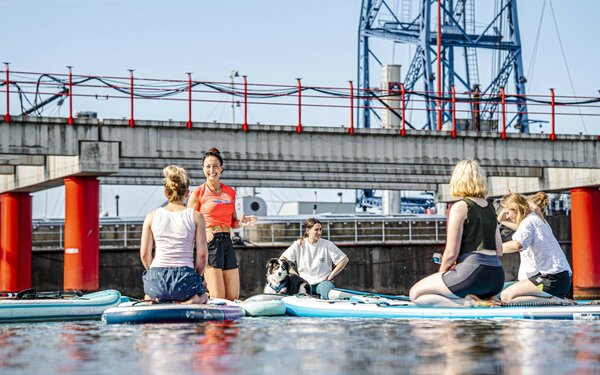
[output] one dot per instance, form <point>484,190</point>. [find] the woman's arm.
<point>192,201</point>
<point>338,268</point>
<point>511,246</point>
<point>503,219</point>
<point>147,241</point>
<point>201,248</point>
<point>456,218</point>
<point>498,242</point>
<point>245,220</point>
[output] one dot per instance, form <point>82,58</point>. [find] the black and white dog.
<point>281,281</point>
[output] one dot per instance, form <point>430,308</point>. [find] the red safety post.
<point>503,105</point>
<point>189,121</point>
<point>439,65</point>
<point>553,105</point>
<point>15,241</point>
<point>585,216</point>
<point>351,129</point>
<point>403,109</point>
<point>299,126</point>
<point>70,118</point>
<point>245,124</point>
<point>453,132</point>
<point>82,241</point>
<point>131,120</point>
<point>7,84</point>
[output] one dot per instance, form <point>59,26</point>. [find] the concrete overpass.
<point>39,152</point>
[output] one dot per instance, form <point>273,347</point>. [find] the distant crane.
<point>457,30</point>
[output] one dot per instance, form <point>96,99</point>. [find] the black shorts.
<point>557,284</point>
<point>221,253</point>
<point>473,278</point>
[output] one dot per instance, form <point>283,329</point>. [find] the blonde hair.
<point>517,203</point>
<point>540,199</point>
<point>176,183</point>
<point>468,180</point>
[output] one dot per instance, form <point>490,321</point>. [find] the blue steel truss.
<point>458,31</point>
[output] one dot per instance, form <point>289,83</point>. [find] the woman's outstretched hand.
<point>247,220</point>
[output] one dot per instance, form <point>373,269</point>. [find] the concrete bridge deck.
<point>38,152</point>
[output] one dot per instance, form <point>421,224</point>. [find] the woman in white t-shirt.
<point>315,258</point>
<point>548,274</point>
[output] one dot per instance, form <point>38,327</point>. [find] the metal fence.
<point>269,231</point>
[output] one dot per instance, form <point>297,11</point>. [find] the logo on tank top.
<point>222,201</point>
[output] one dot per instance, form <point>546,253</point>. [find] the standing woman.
<point>216,202</point>
<point>470,263</point>
<point>170,274</point>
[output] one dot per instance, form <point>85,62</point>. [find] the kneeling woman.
<point>470,263</point>
<point>548,274</point>
<point>170,275</point>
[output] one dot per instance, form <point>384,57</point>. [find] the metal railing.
<point>350,230</point>
<point>276,231</point>
<point>30,92</point>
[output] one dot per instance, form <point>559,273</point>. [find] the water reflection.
<point>303,345</point>
<point>175,348</point>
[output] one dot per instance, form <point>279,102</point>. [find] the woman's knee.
<point>323,289</point>
<point>507,295</point>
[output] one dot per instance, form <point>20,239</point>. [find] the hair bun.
<point>214,150</point>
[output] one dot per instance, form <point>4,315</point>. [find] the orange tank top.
<point>218,210</point>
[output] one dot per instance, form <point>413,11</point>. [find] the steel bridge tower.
<point>458,32</point>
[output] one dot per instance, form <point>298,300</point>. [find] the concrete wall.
<point>383,269</point>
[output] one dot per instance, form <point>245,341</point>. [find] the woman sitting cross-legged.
<point>319,261</point>
<point>548,274</point>
<point>170,275</point>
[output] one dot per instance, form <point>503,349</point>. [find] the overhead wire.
<point>535,47</point>
<point>566,65</point>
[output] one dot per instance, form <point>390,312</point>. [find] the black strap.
<point>33,294</point>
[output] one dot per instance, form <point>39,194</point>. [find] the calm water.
<point>303,345</point>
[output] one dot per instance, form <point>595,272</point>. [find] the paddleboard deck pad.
<point>86,306</point>
<point>361,307</point>
<point>144,312</point>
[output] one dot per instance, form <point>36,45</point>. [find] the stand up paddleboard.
<point>146,312</point>
<point>363,307</point>
<point>56,306</point>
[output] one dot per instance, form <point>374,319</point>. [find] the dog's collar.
<point>278,288</point>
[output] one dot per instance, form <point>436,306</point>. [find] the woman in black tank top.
<point>470,263</point>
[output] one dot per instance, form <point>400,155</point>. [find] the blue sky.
<point>270,41</point>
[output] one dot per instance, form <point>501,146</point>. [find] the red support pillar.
<point>351,129</point>
<point>7,114</point>
<point>70,118</point>
<point>585,237</point>
<point>553,104</point>
<point>189,121</point>
<point>453,132</point>
<point>439,65</point>
<point>15,241</point>
<point>131,120</point>
<point>82,242</point>
<point>245,124</point>
<point>503,102</point>
<point>403,109</point>
<point>299,126</point>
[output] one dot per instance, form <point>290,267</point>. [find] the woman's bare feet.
<point>196,299</point>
